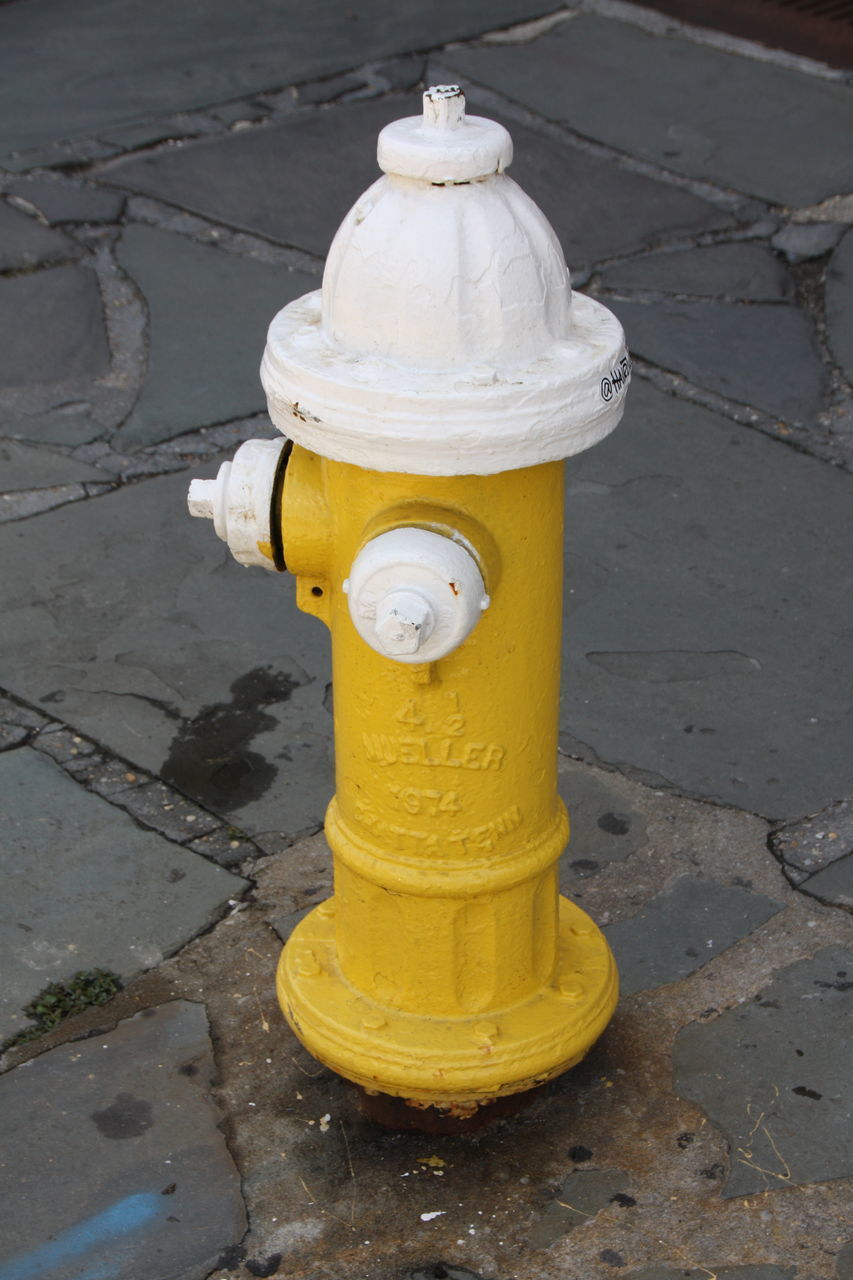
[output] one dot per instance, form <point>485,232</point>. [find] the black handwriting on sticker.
<point>616,380</point>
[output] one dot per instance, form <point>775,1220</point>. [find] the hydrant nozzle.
<point>429,394</point>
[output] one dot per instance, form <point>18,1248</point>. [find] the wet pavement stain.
<point>210,757</point>
<point>127,1117</point>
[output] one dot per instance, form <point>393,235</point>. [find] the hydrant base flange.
<point>446,1062</point>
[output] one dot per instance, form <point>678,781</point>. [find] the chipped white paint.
<point>414,595</point>
<point>239,500</point>
<point>446,339</point>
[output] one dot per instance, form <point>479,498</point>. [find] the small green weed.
<point>58,1000</point>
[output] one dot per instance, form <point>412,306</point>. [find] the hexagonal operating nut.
<point>404,621</point>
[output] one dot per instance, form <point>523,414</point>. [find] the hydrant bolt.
<point>404,620</point>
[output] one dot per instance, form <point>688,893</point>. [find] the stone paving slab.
<point>683,928</point>
<point>705,613</point>
<point>110,63</point>
<point>739,270</point>
<point>63,201</point>
<point>758,354</point>
<point>777,1085</point>
<point>700,111</point>
<point>24,242</point>
<point>583,1193</point>
<point>815,842</point>
<point>53,326</point>
<point>208,316</point>
<point>605,827</point>
<point>833,885</point>
<point>67,425</point>
<point>86,888</point>
<point>802,242</point>
<point>247,180</point>
<point>114,1166</point>
<point>25,467</point>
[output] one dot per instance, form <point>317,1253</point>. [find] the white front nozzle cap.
<point>415,595</point>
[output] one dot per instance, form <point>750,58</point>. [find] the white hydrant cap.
<point>239,501</point>
<point>446,339</point>
<point>444,145</point>
<point>414,595</point>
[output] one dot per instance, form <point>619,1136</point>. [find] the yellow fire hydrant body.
<point>429,397</point>
<point>445,969</point>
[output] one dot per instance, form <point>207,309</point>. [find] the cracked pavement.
<point>165,730</point>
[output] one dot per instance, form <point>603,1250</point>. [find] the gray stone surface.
<point>109,60</point>
<point>12,735</point>
<point>707,616</point>
<point>771,1078</point>
<point>53,327</point>
<point>182,661</point>
<point>24,242</point>
<point>25,467</point>
<point>208,315</point>
<point>833,885</point>
<point>247,180</point>
<point>759,354</point>
<point>743,269</point>
<point>605,828</point>
<point>811,844</point>
<point>583,1194</point>
<point>683,928</point>
<point>712,115</point>
<point>143,134</point>
<point>157,806</point>
<point>22,503</point>
<point>62,201</point>
<point>800,242</point>
<point>839,304</point>
<point>114,1165</point>
<point>86,888</point>
<point>67,425</point>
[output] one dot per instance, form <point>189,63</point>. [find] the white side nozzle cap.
<point>239,501</point>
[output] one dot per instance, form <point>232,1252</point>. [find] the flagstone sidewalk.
<point>169,179</point>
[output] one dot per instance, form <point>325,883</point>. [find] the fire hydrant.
<point>428,395</point>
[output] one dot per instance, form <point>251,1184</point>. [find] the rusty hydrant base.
<point>444,1062</point>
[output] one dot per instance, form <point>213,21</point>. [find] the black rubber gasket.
<point>276,540</point>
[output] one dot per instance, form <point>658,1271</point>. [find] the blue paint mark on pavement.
<point>122,1217</point>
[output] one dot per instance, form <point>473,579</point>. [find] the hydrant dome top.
<point>445,263</point>
<point>446,339</point>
